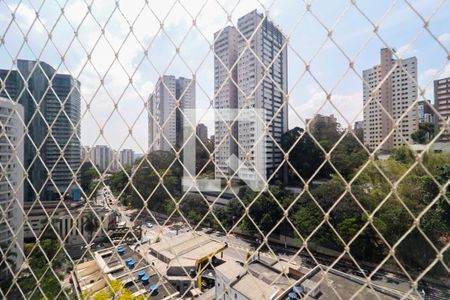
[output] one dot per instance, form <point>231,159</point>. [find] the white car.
<point>149,225</point>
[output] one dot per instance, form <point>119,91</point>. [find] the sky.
<point>118,52</point>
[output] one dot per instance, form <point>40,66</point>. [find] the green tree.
<point>403,154</point>
<point>348,228</point>
<point>264,210</point>
<point>432,223</point>
<point>194,207</point>
<point>89,177</point>
<point>307,218</point>
<point>203,164</point>
<point>115,290</point>
<point>230,214</point>
<point>348,156</point>
<point>38,265</point>
<point>6,259</point>
<point>163,160</point>
<point>155,180</point>
<point>302,147</point>
<point>395,190</point>
<point>88,173</point>
<point>118,182</point>
<point>306,157</point>
<point>424,133</point>
<point>326,131</point>
<point>91,224</point>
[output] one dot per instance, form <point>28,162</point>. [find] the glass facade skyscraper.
<point>51,103</point>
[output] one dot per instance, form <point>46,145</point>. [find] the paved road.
<point>107,199</point>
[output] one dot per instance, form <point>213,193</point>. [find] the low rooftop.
<point>254,288</point>
<point>190,248</point>
<point>339,285</point>
<point>111,264</point>
<point>260,279</point>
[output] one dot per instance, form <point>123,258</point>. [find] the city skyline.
<point>306,97</point>
<point>325,173</point>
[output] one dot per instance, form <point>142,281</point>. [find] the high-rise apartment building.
<point>442,104</point>
<point>11,185</point>
<point>185,92</point>
<point>126,157</point>
<point>426,114</point>
<point>171,96</point>
<point>389,92</point>
<point>202,131</point>
<point>318,118</point>
<point>51,103</point>
<point>261,76</point>
<point>225,98</point>
<point>101,157</point>
<point>358,125</point>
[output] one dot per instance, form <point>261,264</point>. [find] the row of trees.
<point>377,212</point>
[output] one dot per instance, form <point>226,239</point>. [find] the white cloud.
<point>146,28</point>
<point>24,13</point>
<point>428,76</point>
<point>432,74</point>
<point>405,51</point>
<point>25,18</point>
<point>444,38</point>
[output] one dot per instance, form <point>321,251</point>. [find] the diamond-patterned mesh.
<point>325,173</point>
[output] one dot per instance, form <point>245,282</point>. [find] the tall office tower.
<point>225,92</point>
<point>396,94</point>
<point>442,104</point>
<point>202,131</point>
<point>426,114</point>
<point>37,85</point>
<point>101,157</point>
<point>126,157</point>
<point>11,185</point>
<point>63,110</point>
<point>261,88</point>
<point>165,118</point>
